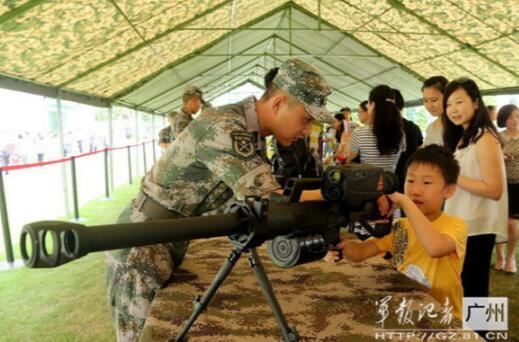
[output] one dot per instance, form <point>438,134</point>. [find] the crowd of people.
<point>462,177</point>
<point>487,196</point>
<point>485,165</point>
<point>458,194</point>
<point>30,147</point>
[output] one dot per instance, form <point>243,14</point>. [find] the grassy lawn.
<point>69,303</point>
<point>506,285</point>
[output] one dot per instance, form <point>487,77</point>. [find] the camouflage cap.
<point>192,90</point>
<point>304,82</point>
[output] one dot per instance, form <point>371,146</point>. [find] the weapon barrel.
<point>71,241</point>
<point>53,243</point>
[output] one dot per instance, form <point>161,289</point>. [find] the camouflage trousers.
<point>134,275</point>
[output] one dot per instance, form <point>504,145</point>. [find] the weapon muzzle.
<point>53,243</point>
<point>50,243</point>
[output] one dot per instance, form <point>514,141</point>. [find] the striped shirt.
<point>364,142</point>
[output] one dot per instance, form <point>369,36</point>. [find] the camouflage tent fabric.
<point>323,302</point>
<point>144,52</point>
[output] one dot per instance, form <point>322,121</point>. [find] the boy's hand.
<point>396,198</point>
<point>387,204</point>
<point>383,205</point>
<point>334,255</point>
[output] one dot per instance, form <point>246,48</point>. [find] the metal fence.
<point>104,170</point>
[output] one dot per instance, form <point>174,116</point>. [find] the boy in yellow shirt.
<point>427,245</point>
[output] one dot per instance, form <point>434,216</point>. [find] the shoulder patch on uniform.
<point>243,143</point>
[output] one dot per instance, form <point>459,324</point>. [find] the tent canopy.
<point>143,53</point>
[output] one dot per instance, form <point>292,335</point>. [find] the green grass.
<point>98,211</point>
<point>506,285</point>
<point>69,303</point>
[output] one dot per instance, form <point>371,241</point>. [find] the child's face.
<point>426,187</point>
<point>460,108</point>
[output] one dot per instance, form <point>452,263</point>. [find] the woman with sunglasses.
<point>481,197</point>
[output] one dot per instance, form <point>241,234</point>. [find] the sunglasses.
<point>462,80</point>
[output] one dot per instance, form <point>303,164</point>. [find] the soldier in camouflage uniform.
<point>178,121</point>
<point>213,161</point>
<point>165,133</point>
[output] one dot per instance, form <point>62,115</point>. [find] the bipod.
<point>244,243</point>
<point>200,303</point>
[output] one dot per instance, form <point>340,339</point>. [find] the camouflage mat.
<point>324,302</point>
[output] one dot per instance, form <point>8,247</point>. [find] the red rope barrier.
<point>119,148</point>
<point>27,166</point>
<point>90,153</point>
<point>63,160</point>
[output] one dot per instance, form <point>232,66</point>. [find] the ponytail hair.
<point>338,133</point>
<point>387,120</point>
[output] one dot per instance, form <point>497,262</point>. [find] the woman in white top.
<point>432,95</point>
<point>481,197</point>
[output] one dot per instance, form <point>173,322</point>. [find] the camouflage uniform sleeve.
<point>179,124</point>
<point>227,150</point>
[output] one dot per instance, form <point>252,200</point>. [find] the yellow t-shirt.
<point>441,275</point>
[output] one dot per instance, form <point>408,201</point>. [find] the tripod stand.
<point>200,303</point>
<point>250,213</point>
